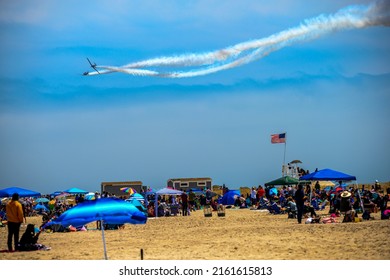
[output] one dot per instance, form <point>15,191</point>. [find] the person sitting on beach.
<point>243,202</point>
<point>274,208</point>
<point>151,210</point>
<point>29,240</point>
<point>291,208</point>
<point>368,204</point>
<point>307,208</point>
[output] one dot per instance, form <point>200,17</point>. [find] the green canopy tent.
<point>282,181</point>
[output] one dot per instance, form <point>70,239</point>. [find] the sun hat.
<point>345,194</point>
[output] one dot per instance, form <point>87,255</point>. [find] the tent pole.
<point>360,197</point>
<point>104,240</point>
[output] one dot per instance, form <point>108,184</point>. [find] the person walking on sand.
<point>184,203</point>
<point>15,217</point>
<point>300,201</point>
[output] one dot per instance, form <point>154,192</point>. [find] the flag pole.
<point>285,144</point>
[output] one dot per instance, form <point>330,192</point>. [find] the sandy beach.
<point>242,234</point>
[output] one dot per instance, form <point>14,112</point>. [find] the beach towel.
<point>328,220</point>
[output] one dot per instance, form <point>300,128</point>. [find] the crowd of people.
<point>297,201</point>
<point>304,200</point>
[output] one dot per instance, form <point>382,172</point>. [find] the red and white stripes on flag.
<point>278,138</point>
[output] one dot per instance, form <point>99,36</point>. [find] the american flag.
<point>278,138</point>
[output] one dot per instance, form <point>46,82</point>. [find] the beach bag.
<point>366,215</point>
<point>385,215</point>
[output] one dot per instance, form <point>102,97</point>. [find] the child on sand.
<point>29,240</point>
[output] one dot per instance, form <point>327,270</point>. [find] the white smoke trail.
<point>352,17</point>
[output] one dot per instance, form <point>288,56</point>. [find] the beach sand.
<point>242,234</point>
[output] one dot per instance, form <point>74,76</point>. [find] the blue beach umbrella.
<point>75,191</point>
<point>108,210</point>
<point>42,199</point>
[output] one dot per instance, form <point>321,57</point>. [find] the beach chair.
<point>323,204</point>
<point>263,204</point>
<point>314,203</point>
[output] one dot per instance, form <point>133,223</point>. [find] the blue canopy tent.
<point>164,191</point>
<point>168,191</point>
<point>327,175</point>
<point>8,192</point>
<point>229,197</point>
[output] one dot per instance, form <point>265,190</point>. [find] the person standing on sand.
<point>184,203</point>
<point>14,219</point>
<point>300,201</point>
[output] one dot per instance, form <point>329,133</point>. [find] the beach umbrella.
<point>55,193</point>
<point>62,195</point>
<point>75,191</point>
<point>136,196</point>
<point>89,196</point>
<point>42,199</point>
<point>108,210</point>
<point>273,191</point>
<point>8,192</point>
<point>295,161</point>
<point>138,203</point>
<point>4,200</point>
<point>128,190</point>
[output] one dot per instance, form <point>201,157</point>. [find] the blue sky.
<point>60,129</point>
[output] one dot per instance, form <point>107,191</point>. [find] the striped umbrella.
<point>128,190</point>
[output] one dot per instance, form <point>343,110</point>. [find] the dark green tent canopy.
<point>285,180</point>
